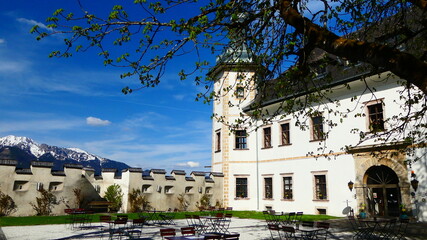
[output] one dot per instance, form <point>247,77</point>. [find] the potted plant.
<point>362,209</point>
<point>403,213</point>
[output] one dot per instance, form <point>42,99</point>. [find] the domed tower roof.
<point>236,53</point>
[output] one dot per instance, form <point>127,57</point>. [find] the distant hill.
<point>25,150</point>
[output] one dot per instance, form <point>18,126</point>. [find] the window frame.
<point>240,145</point>
<point>266,197</point>
<point>266,136</point>
<point>320,190</point>
<point>240,91</point>
<point>218,140</point>
<point>369,115</point>
<point>239,185</point>
<point>291,184</point>
<point>317,130</point>
<point>288,133</point>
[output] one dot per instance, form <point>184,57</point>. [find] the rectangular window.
<point>267,137</point>
<point>320,181</point>
<point>317,128</point>
<point>285,134</point>
<point>268,188</point>
<point>218,141</point>
<point>241,139</point>
<point>240,91</point>
<point>376,117</point>
<point>241,187</point>
<point>287,188</point>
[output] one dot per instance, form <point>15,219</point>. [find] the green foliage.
<point>115,196</point>
<point>138,202</point>
<point>280,45</point>
<point>204,203</point>
<point>183,202</point>
<point>44,204</point>
<point>78,197</point>
<point>7,205</point>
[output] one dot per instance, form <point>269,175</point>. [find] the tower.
<point>234,84</point>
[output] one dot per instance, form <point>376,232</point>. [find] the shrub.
<point>7,205</point>
<point>45,203</point>
<point>115,196</point>
<point>78,198</point>
<point>205,202</point>
<point>183,203</point>
<point>137,201</point>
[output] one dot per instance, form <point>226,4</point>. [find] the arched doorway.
<point>383,191</point>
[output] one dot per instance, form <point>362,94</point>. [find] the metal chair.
<point>322,234</point>
<point>212,236</point>
<point>234,236</point>
<point>167,232</point>
<point>289,233</point>
<point>360,231</point>
<point>401,229</point>
<point>135,230</point>
<point>188,231</point>
<point>274,231</point>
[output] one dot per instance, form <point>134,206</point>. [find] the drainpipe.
<point>257,170</point>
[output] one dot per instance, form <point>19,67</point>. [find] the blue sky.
<point>77,101</point>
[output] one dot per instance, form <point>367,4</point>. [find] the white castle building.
<point>278,166</point>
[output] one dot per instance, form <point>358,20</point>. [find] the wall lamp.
<point>350,185</point>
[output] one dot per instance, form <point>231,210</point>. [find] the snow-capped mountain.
<point>58,155</point>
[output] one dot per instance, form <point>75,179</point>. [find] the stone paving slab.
<point>248,228</point>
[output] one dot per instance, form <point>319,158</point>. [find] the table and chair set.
<point>79,217</point>
<point>290,226</point>
<point>156,217</point>
<point>213,226</point>
<point>190,233</point>
<point>378,228</point>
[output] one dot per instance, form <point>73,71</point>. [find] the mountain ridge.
<point>59,155</point>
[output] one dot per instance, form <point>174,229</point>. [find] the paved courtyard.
<point>248,229</point>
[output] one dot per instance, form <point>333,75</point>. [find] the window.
<point>321,211</point>
<point>241,187</point>
<point>188,190</point>
<point>376,117</point>
<point>20,186</point>
<point>168,189</point>
<point>55,186</point>
<point>217,141</point>
<point>146,188</point>
<point>268,188</point>
<point>208,190</point>
<point>241,139</point>
<point>317,128</point>
<point>287,188</point>
<point>285,134</point>
<point>240,91</point>
<point>320,187</point>
<point>39,186</point>
<point>267,137</point>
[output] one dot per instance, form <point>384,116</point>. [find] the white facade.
<point>259,164</point>
<point>161,190</point>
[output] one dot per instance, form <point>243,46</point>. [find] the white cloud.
<point>93,121</point>
<point>33,22</point>
<point>189,164</point>
<point>2,41</point>
<point>179,96</point>
<point>13,126</point>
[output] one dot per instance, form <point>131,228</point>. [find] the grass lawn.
<point>44,220</point>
